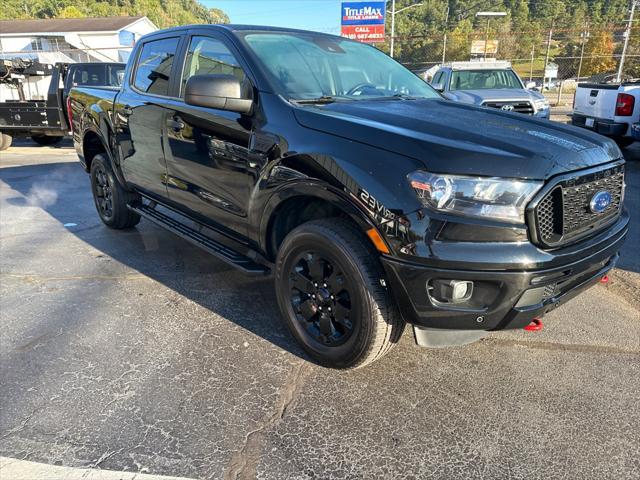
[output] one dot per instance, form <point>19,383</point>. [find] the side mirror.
<point>530,85</point>
<point>223,92</point>
<point>438,86</point>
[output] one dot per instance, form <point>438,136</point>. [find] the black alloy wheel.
<point>321,299</point>
<point>104,193</point>
<point>111,199</point>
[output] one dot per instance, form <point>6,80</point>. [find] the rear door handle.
<point>175,123</point>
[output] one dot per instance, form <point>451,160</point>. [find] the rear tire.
<point>45,140</point>
<point>329,287</point>
<point>110,198</point>
<point>5,141</point>
<point>624,142</point>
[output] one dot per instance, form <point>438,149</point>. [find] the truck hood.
<point>456,138</point>
<point>476,97</point>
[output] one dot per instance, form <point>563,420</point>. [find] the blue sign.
<point>600,201</point>
<point>363,13</point>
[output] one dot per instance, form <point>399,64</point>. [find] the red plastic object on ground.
<point>605,279</point>
<point>534,326</point>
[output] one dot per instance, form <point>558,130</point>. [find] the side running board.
<point>205,242</point>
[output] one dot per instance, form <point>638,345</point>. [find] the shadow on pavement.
<point>156,253</point>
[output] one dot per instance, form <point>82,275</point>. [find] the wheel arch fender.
<point>97,137</point>
<point>308,190</point>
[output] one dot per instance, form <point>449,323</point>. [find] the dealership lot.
<point>135,351</point>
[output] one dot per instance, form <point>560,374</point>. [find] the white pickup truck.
<point>609,109</point>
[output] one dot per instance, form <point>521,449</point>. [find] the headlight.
<point>541,104</point>
<point>502,199</point>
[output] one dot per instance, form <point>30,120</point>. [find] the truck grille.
<point>564,213</point>
<point>517,106</point>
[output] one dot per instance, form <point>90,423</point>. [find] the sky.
<point>318,15</point>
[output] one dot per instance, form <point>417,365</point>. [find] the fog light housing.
<point>446,292</point>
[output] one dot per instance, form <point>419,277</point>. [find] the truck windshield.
<point>308,66</point>
<point>483,79</point>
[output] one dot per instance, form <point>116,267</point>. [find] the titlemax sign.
<point>363,13</point>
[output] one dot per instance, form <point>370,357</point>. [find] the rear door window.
<point>155,62</point>
<point>89,75</point>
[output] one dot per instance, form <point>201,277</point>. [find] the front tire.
<point>45,140</point>
<point>329,287</point>
<point>110,198</point>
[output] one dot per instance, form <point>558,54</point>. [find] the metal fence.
<point>581,53</point>
<point>573,54</point>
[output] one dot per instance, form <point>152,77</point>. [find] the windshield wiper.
<point>403,96</point>
<point>323,100</point>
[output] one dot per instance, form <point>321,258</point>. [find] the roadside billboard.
<point>478,47</point>
<point>363,21</point>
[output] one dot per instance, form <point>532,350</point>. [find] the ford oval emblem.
<point>600,201</point>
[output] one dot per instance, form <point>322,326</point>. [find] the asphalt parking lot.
<point>135,351</point>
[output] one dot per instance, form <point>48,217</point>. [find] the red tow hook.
<point>535,325</point>
<point>605,279</point>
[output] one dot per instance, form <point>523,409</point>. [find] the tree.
<point>599,54</point>
<point>71,12</point>
<point>163,13</point>
<point>459,44</point>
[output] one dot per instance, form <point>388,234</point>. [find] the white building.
<point>105,39</point>
<point>67,40</point>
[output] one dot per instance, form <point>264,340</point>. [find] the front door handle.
<point>175,123</point>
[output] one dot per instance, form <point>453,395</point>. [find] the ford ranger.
<point>372,200</point>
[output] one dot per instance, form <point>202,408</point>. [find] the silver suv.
<point>489,84</point>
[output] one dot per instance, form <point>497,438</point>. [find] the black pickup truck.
<point>371,199</point>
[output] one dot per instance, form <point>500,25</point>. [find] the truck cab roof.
<point>471,65</point>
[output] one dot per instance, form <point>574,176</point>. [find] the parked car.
<point>489,84</point>
<point>45,121</point>
<point>371,199</point>
<point>609,109</point>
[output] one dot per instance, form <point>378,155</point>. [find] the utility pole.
<point>533,51</point>
<point>627,34</point>
<point>393,26</point>
<point>584,35</point>
<point>486,38</point>
<point>393,22</point>
<point>546,57</point>
<point>444,42</point>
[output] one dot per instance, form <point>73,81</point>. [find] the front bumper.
<point>545,114</point>
<point>502,299</point>
<point>601,125</point>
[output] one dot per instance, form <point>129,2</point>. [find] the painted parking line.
<point>14,469</point>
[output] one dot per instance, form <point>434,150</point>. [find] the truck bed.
<point>596,100</point>
<point>30,114</point>
<point>82,97</point>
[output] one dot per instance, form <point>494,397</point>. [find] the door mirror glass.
<point>438,86</point>
<point>220,91</point>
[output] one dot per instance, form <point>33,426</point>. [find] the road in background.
<point>135,351</point>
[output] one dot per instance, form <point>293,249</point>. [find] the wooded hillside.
<point>164,13</point>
